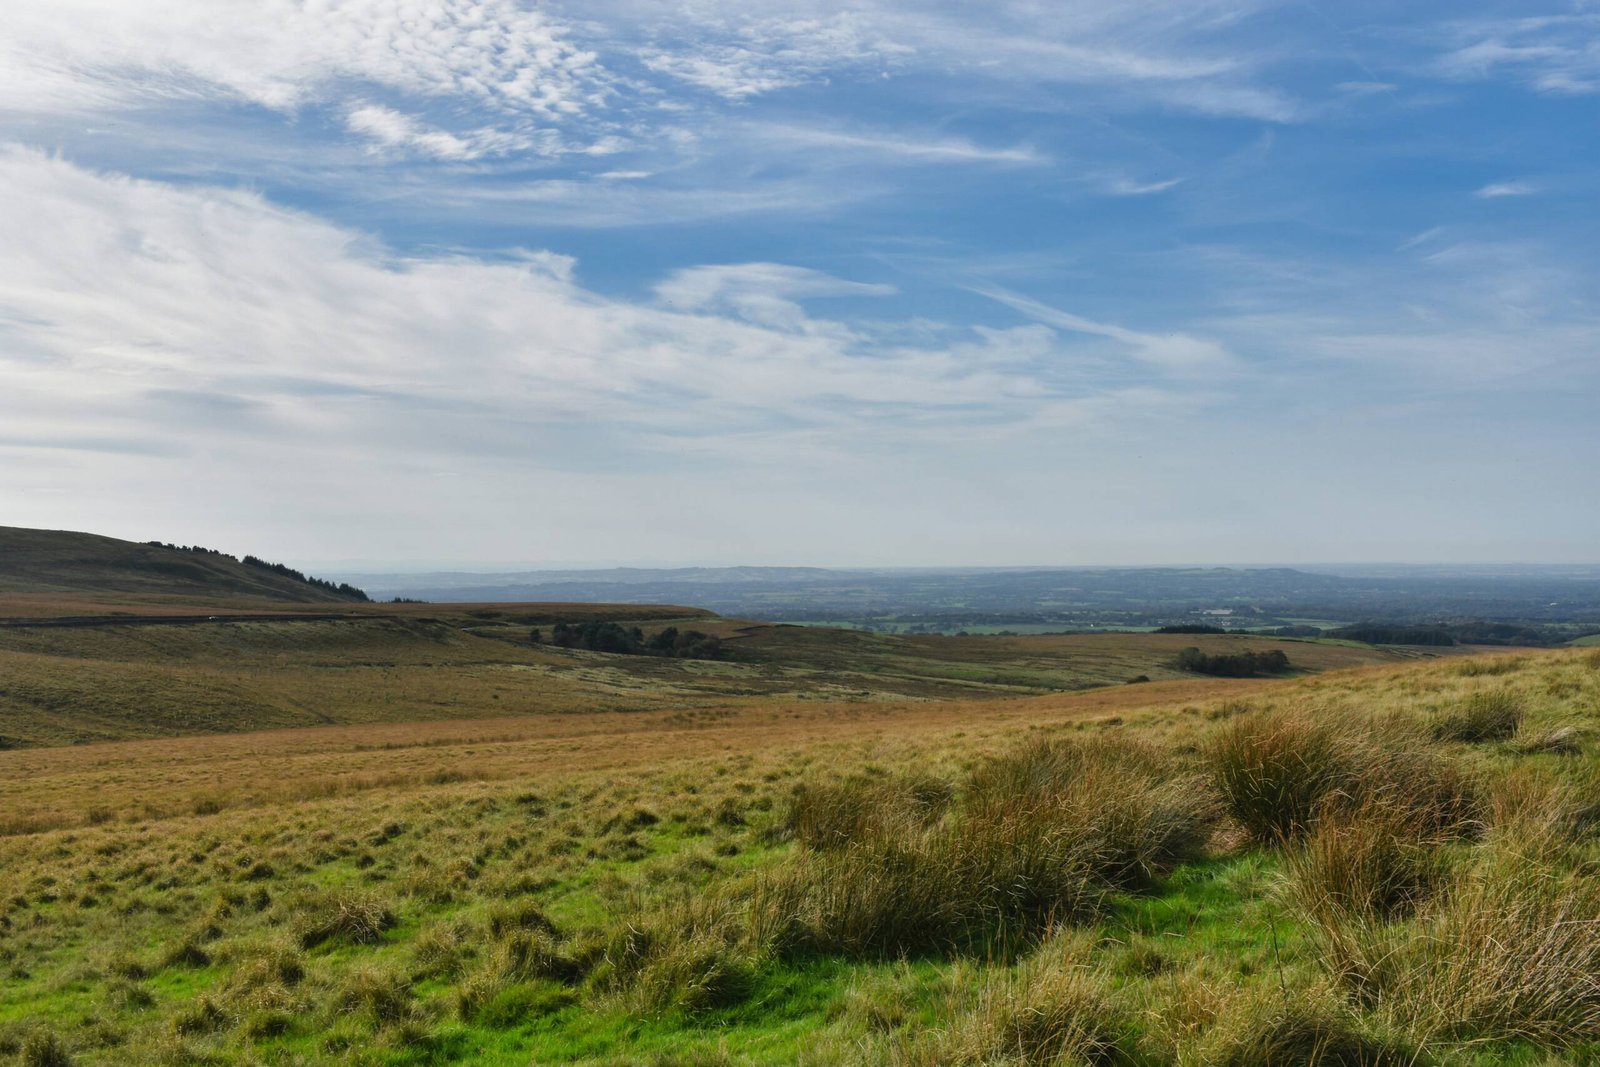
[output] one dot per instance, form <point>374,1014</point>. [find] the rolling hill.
<point>62,562</point>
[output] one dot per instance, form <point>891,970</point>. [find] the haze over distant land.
<point>887,284</point>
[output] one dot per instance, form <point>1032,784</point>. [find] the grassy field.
<point>415,662</point>
<point>1384,864</point>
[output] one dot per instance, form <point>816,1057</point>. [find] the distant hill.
<point>65,562</point>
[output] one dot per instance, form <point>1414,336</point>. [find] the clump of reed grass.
<point>692,956</point>
<point>1280,772</point>
<point>1482,717</point>
<point>381,995</point>
<point>1303,1028</point>
<point>353,917</point>
<point>1036,839</point>
<point>831,815</point>
<point>1373,862</point>
<point>1509,950</point>
<point>1052,1009</point>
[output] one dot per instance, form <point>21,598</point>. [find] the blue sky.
<point>879,283</point>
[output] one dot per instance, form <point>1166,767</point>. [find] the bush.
<point>1484,717</point>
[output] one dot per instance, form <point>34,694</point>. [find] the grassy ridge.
<point>1111,886</point>
<point>405,663</point>
<point>64,562</point>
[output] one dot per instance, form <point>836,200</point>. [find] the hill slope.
<point>666,887</point>
<point>69,563</point>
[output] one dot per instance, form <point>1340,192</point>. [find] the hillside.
<point>414,662</point>
<point>1387,865</point>
<point>61,562</point>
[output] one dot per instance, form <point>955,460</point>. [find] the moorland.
<point>241,828</point>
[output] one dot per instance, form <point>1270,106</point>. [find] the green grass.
<point>605,918</point>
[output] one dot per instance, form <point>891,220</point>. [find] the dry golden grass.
<point>454,891</point>
<point>412,662</point>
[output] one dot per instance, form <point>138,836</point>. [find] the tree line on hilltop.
<point>344,589</point>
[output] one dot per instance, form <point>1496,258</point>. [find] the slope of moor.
<point>747,886</point>
<point>413,662</point>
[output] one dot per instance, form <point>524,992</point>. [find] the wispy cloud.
<point>205,303</point>
<point>1558,54</point>
<point>882,144</point>
<point>1129,187</point>
<point>1496,190</point>
<point>1176,352</point>
<point>387,128</point>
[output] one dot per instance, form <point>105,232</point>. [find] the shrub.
<point>1483,717</point>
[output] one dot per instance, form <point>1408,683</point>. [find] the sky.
<point>396,282</point>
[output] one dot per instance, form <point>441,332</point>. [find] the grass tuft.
<point>1281,772</point>
<point>1481,717</point>
<point>352,917</point>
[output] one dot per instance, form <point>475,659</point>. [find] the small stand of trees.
<point>344,589</point>
<point>1190,628</point>
<point>631,641</point>
<point>1234,664</point>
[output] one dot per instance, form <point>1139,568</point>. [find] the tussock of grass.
<point>1481,717</point>
<point>1036,839</point>
<point>382,995</point>
<point>353,917</point>
<point>1374,862</point>
<point>825,816</point>
<point>1300,1029</point>
<point>693,957</point>
<point>1280,772</point>
<point>43,1048</point>
<point>1511,950</point>
<point>1052,1009</point>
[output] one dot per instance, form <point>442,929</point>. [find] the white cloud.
<point>283,53</point>
<point>136,311</point>
<point>1557,54</point>
<point>881,144</point>
<point>1173,352</point>
<point>1143,50</point>
<point>1128,187</point>
<point>387,128</point>
<point>765,293</point>
<point>1496,190</point>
